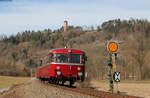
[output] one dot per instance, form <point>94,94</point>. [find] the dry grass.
<point>131,87</point>
<point>125,81</point>
<point>6,81</point>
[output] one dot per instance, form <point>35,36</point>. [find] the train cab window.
<point>75,58</point>
<point>61,58</point>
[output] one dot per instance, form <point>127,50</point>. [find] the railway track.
<point>91,92</point>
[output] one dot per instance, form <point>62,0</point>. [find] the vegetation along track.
<point>91,92</point>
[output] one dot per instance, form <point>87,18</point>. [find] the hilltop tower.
<point>65,26</point>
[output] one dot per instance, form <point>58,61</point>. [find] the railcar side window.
<point>40,63</point>
<point>51,57</point>
<point>47,59</point>
<point>44,61</point>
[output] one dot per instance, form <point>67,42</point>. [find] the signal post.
<point>113,76</point>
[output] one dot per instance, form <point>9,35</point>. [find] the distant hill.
<point>19,53</point>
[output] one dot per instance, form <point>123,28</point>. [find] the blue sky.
<point>19,15</point>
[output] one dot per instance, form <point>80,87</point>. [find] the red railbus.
<point>61,65</point>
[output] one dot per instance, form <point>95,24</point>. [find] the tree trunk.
<point>141,73</point>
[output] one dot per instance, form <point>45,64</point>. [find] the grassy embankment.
<point>6,81</point>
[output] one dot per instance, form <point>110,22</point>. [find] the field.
<point>130,87</point>
<point>6,81</point>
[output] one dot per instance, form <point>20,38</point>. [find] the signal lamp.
<point>79,68</point>
<point>69,51</point>
<point>58,67</point>
<point>112,46</point>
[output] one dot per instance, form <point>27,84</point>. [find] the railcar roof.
<point>65,50</point>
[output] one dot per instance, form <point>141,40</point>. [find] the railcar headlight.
<point>79,68</point>
<point>69,51</point>
<point>58,67</point>
<point>58,72</point>
<point>80,73</point>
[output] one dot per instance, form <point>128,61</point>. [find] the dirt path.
<point>35,89</point>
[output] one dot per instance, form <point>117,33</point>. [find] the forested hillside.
<point>20,53</point>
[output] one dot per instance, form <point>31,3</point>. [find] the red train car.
<point>61,65</point>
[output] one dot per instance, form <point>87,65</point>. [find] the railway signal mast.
<point>112,48</point>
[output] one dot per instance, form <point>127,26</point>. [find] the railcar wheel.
<point>71,83</point>
<point>57,81</point>
<point>62,82</point>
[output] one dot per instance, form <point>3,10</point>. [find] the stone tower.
<point>65,26</point>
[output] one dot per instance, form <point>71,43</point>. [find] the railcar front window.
<point>67,58</point>
<point>75,58</point>
<point>62,57</point>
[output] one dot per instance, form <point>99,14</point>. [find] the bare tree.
<point>139,53</point>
